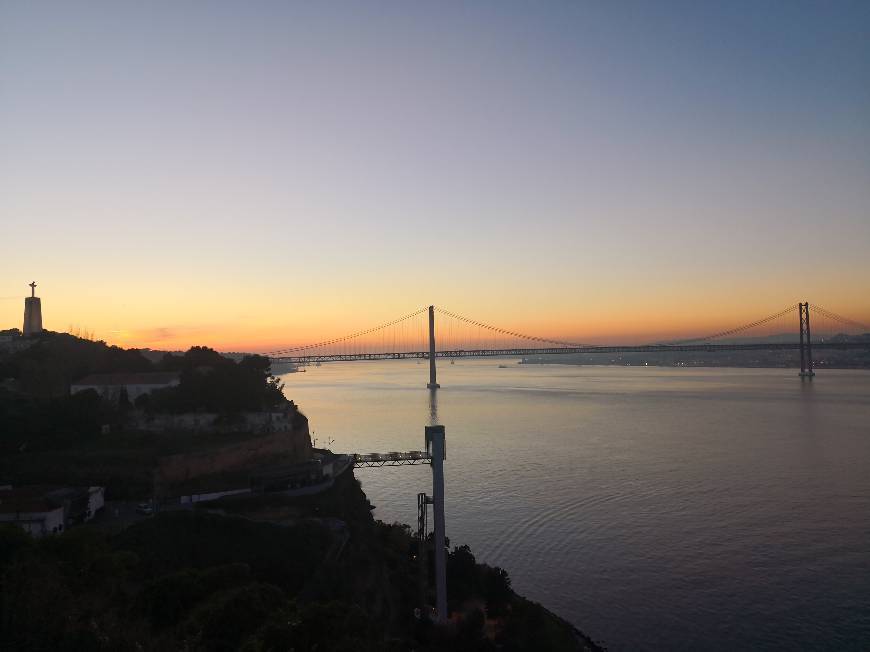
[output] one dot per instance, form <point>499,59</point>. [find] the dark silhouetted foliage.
<point>468,580</point>
<point>52,422</point>
<point>203,582</point>
<point>56,360</point>
<point>214,383</point>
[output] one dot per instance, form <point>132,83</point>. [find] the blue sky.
<point>170,169</point>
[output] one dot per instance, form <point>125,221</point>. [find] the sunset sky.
<point>260,174</point>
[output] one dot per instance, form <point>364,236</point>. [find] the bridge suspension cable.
<point>839,318</point>
<point>345,338</point>
<point>503,331</point>
<point>739,329</point>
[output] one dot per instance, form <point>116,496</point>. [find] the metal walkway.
<point>394,458</point>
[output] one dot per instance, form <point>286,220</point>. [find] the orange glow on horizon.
<point>599,330</point>
<point>164,315</point>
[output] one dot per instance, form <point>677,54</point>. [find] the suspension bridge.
<point>414,336</point>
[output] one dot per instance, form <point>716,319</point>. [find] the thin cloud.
<point>157,334</point>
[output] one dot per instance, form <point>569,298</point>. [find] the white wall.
<point>96,500</point>
<point>202,498</point>
<point>38,524</point>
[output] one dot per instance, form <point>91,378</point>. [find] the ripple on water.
<point>713,509</point>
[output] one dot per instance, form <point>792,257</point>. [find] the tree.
<point>212,382</point>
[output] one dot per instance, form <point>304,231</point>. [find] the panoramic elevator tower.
<point>436,445</point>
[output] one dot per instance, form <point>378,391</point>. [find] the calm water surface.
<point>679,509</point>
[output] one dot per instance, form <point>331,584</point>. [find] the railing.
<point>394,458</point>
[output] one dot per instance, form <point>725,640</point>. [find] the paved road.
<point>119,514</point>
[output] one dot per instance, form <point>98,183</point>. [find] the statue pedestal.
<point>32,316</point>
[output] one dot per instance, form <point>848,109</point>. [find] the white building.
<point>37,520</point>
<point>32,512</point>
<point>109,385</point>
<point>43,510</point>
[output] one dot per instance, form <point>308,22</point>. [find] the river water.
<point>655,508</point>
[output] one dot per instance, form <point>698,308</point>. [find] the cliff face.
<point>288,446</point>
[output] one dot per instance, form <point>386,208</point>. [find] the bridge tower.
<point>806,344</point>
<point>436,444</point>
<point>433,382</point>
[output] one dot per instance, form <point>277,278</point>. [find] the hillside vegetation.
<point>50,436</point>
<point>202,581</point>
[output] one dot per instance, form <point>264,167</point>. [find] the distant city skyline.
<point>254,176</point>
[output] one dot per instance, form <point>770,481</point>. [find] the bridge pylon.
<point>433,381</point>
<point>806,344</point>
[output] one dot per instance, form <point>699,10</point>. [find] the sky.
<point>255,175</point>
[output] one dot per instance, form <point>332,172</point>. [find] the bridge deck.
<point>494,353</point>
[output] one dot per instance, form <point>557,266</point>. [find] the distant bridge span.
<point>356,347</point>
<point>498,353</point>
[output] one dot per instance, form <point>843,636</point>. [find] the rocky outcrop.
<point>290,445</point>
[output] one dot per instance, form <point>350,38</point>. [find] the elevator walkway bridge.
<point>369,460</point>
